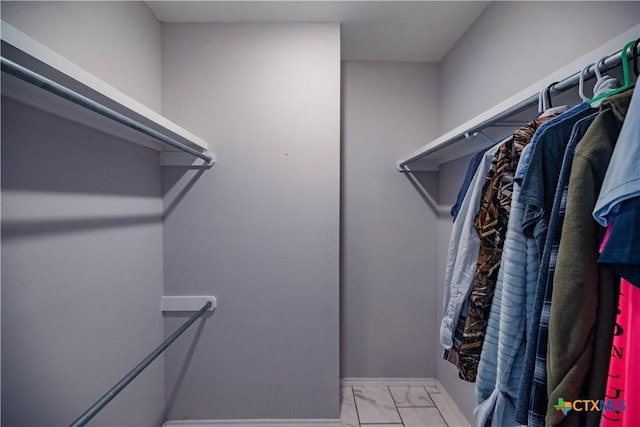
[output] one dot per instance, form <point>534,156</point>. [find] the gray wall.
<point>489,63</point>
<point>486,66</point>
<point>81,272</point>
<point>388,243</point>
<point>82,231</point>
<point>260,230</point>
<point>119,42</point>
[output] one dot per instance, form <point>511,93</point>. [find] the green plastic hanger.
<point>625,70</point>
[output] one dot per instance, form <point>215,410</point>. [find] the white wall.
<point>388,245</point>
<point>119,42</point>
<point>488,64</point>
<point>260,230</point>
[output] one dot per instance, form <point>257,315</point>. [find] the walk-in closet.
<point>320,213</point>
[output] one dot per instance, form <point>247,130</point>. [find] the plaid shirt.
<point>538,392</point>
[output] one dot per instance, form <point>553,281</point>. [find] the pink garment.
<point>624,376</point>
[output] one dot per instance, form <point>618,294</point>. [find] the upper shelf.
<point>34,56</point>
<point>505,116</point>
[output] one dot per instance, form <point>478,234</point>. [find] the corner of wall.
<point>92,34</point>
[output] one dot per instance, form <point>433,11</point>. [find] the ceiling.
<point>415,31</point>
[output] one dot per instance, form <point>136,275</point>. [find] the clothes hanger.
<point>544,99</point>
<point>549,109</point>
<point>625,70</point>
<point>596,68</point>
<point>604,83</point>
<point>469,135</point>
<point>541,102</point>
<point>581,83</point>
<point>547,93</point>
<point>601,84</point>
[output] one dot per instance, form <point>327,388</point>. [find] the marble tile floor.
<point>394,406</point>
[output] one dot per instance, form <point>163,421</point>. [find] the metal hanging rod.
<point>113,392</point>
<point>49,85</point>
<point>500,119</point>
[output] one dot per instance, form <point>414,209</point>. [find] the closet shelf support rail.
<point>572,81</point>
<point>120,385</point>
<point>42,82</point>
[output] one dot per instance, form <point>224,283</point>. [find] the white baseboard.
<point>453,418</point>
<point>459,418</point>
<point>255,423</point>
<point>360,382</point>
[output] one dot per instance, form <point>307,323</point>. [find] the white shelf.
<point>439,151</point>
<point>29,53</point>
<point>187,303</point>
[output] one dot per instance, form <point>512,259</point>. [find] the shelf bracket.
<point>177,158</point>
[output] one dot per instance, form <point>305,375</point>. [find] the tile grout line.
<point>395,404</point>
<point>355,405</point>
<point>445,407</point>
<point>436,406</point>
<point>397,408</point>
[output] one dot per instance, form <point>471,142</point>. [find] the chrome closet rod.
<point>113,392</point>
<point>49,85</point>
<point>572,81</point>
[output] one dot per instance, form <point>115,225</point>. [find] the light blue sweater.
<point>502,355</point>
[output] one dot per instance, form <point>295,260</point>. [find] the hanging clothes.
<point>618,206</point>
<point>623,384</point>
<point>519,268</point>
<point>531,405</point>
<point>463,253</point>
<point>491,225</point>
<point>541,176</point>
<point>584,296</point>
<point>545,196</point>
<point>533,322</point>
<point>502,355</point>
<point>474,163</point>
<point>622,181</point>
<point>622,253</point>
<point>526,157</point>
